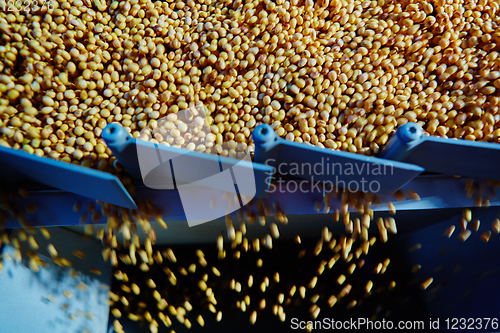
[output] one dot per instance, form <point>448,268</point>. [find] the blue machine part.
<point>38,301</point>
<point>436,193</point>
<point>337,168</point>
<point>440,155</point>
<point>163,167</point>
<point>21,166</point>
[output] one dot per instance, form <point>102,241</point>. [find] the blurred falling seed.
<point>275,231</point>
<point>116,313</point>
<point>321,267</point>
<point>135,289</point>
<point>391,207</point>
<point>245,244</point>
<point>302,291</point>
<point>161,222</point>
<point>313,282</point>
<point>45,232</point>
<point>89,229</point>
<point>316,312</point>
<point>79,254</point>
<point>23,192</point>
<point>15,243</point>
<point>262,220</point>
<point>268,242</point>
<point>219,316</point>
<point>133,316</point>
<point>318,248</point>
<point>332,300</point>
<point>392,225</point>
<point>113,259</point>
<point>464,235</point>
<point>365,221</point>
<point>253,317</point>
<point>297,239</point>
<point>231,233</point>
<point>449,231</point>
<point>382,230</point>
<point>369,287</point>
<point>331,262</point>
<point>399,195</point>
<point>467,214</point>
<point>345,291</point>
<point>77,207</point>
<point>52,250</point>
<point>250,281</point>
<point>200,320</point>
<point>292,291</point>
<point>100,234</point>
<point>475,225</point>
<point>125,288</point>
<point>32,243</point>
<point>415,247</point>
<point>485,236</point>
<point>496,226</point>
<point>156,295</point>
<point>463,224</point>
<point>95,271</point>
<point>426,283</point>
<point>32,264</point>
<point>82,286</point>
<point>171,256</point>
<point>347,219</point>
<point>346,250</point>
<point>220,243</point>
<point>341,279</point>
<point>413,195</point>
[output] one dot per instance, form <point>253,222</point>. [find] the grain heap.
<point>339,74</point>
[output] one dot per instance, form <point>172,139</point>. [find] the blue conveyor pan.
<point>441,155</point>
<point>165,168</point>
<point>17,165</point>
<point>338,168</point>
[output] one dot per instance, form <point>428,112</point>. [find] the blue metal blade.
<point>440,155</point>
<point>68,177</point>
<point>164,167</point>
<point>337,168</point>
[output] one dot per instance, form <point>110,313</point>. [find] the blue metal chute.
<point>98,185</point>
<point>441,155</point>
<point>165,167</point>
<point>337,168</point>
